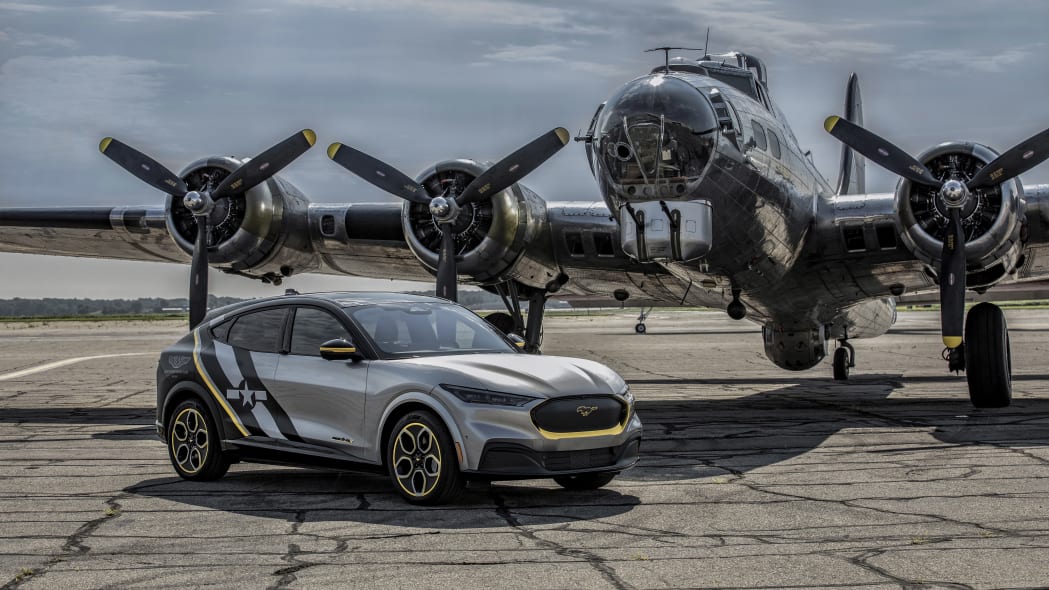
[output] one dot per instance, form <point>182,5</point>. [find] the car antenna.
<point>666,54</point>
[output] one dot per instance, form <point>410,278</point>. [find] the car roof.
<point>340,298</point>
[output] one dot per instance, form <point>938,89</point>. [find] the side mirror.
<point>339,349</point>
<point>517,340</point>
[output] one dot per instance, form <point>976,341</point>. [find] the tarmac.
<point>750,477</point>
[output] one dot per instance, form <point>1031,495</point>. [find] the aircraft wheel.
<point>585,481</point>
<point>422,461</point>
<point>502,321</point>
<point>193,443</point>
<point>640,328</point>
<point>841,364</point>
<point>988,360</point>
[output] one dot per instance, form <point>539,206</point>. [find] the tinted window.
<point>419,329</point>
<point>221,331</point>
<point>313,327</point>
<point>603,244</point>
<point>759,135</point>
<point>574,241</point>
<point>259,331</point>
<point>774,144</point>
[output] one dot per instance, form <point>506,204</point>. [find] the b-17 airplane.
<point>707,200</point>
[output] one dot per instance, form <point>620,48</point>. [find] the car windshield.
<point>421,329</point>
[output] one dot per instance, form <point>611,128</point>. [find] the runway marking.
<point>63,363</point>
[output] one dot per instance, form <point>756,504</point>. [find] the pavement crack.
<point>595,561</point>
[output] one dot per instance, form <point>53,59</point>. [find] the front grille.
<point>579,414</point>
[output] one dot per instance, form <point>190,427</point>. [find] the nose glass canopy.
<point>656,136</point>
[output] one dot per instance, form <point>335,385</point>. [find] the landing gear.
<point>514,321</point>
<point>988,360</point>
<point>736,310</point>
<point>844,359</point>
<point>639,327</point>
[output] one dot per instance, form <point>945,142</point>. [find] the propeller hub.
<point>443,210</point>
<point>954,194</point>
<point>198,203</point>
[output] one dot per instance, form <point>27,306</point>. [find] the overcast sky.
<point>416,81</point>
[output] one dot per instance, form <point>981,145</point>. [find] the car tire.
<point>422,461</point>
<point>501,321</point>
<point>194,444</point>
<point>585,481</point>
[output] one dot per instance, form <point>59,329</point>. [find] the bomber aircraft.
<point>706,200</point>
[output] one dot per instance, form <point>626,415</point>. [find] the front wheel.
<point>988,360</point>
<point>841,364</point>
<point>193,443</point>
<point>422,461</point>
<point>585,481</point>
<point>640,328</point>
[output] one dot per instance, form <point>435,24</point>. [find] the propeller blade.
<point>198,274</point>
<point>1015,161</point>
<point>514,167</point>
<point>952,281</point>
<point>879,151</point>
<point>446,272</point>
<point>265,164</point>
<point>143,167</point>
<point>378,173</point>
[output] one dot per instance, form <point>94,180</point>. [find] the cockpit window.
<point>759,135</point>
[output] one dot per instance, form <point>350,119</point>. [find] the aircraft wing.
<point>125,233</point>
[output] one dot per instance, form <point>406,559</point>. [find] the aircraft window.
<point>221,331</point>
<point>603,244</point>
<point>574,241</point>
<point>261,331</point>
<point>759,135</point>
<point>886,236</point>
<point>853,236</point>
<point>774,144</point>
<point>328,225</point>
<point>313,327</point>
<point>741,81</point>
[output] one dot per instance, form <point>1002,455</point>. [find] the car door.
<point>246,350</point>
<point>324,399</point>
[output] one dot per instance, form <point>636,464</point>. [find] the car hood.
<point>526,374</point>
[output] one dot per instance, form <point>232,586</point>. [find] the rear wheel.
<point>585,481</point>
<point>422,461</point>
<point>988,360</point>
<point>193,443</point>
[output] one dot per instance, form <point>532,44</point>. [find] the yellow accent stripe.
<point>102,145</point>
<point>211,385</point>
<point>333,149</point>
<point>310,136</point>
<point>831,122</point>
<point>329,349</point>
<point>952,341</point>
<point>588,433</point>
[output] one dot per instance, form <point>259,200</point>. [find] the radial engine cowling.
<point>262,232</point>
<point>991,218</point>
<point>505,238</point>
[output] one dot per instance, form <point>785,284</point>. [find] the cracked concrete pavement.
<point>751,477</point>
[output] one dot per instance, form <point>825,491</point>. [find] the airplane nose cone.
<point>655,138</point>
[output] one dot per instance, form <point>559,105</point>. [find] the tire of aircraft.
<point>988,360</point>
<point>193,442</point>
<point>841,364</point>
<point>501,321</point>
<point>585,481</point>
<point>422,488</point>
<point>640,328</point>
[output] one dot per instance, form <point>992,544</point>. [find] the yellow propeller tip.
<point>310,136</point>
<point>562,134</point>
<point>952,341</point>
<point>333,148</point>
<point>102,145</point>
<point>831,122</point>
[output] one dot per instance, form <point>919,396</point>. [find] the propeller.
<point>954,194</point>
<point>200,204</point>
<point>445,207</point>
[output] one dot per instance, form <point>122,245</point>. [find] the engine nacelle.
<point>991,219</point>
<point>794,347</point>
<point>506,238</point>
<point>262,233</point>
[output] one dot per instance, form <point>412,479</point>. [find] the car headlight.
<point>627,396</point>
<point>482,396</point>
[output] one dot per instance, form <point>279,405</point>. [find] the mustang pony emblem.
<point>585,411</point>
<point>177,361</point>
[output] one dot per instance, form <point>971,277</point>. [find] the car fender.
<point>433,404</point>
<point>221,421</point>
